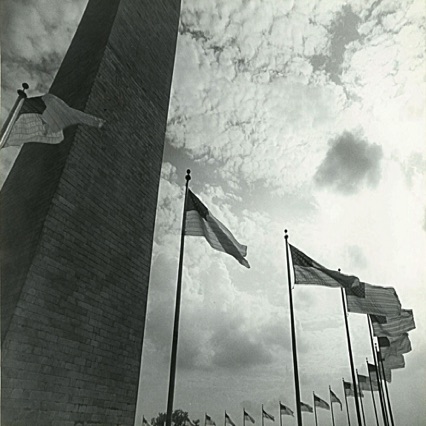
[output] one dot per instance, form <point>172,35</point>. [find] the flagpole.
<point>381,393</point>
<point>315,410</point>
<point>281,417</point>
<point>360,398</point>
<point>346,400</point>
<point>331,404</point>
<point>379,356</point>
<point>293,335</point>
<point>262,416</point>
<point>372,394</point>
<point>345,314</point>
<point>177,310</point>
<point>224,423</point>
<point>13,115</point>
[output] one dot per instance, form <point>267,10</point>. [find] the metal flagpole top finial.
<point>285,234</point>
<point>21,92</point>
<point>188,175</point>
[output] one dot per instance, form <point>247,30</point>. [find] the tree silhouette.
<point>179,418</point>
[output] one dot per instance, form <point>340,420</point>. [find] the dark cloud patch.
<point>235,348</point>
<point>349,163</point>
<point>343,30</point>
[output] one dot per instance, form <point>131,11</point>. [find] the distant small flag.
<point>393,326</point>
<point>372,371</point>
<point>248,417</point>
<point>307,271</point>
<point>364,382</point>
<point>201,223</point>
<point>42,119</point>
<point>365,298</point>
<point>145,422</point>
<point>228,420</point>
<point>209,421</point>
<point>265,415</point>
<point>284,410</point>
<point>334,398</point>
<point>318,402</point>
<point>349,389</point>
<point>306,408</point>
<point>397,345</point>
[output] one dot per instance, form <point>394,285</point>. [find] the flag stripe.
<point>308,271</point>
<point>377,300</point>
<point>30,128</point>
<point>201,223</point>
<point>394,325</point>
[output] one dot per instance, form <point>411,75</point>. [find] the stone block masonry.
<point>76,226</point>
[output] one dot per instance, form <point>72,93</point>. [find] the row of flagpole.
<point>202,223</point>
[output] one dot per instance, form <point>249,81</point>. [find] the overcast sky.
<point>300,114</point>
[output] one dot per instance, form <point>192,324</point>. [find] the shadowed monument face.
<point>77,224</point>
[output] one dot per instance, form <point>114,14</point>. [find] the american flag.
<point>308,271</point>
<point>371,299</point>
<point>201,223</point>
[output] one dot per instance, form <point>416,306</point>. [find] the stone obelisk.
<point>76,226</point>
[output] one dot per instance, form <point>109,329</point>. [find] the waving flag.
<point>395,346</point>
<point>349,389</point>
<point>334,398</point>
<point>318,402</point>
<point>365,298</point>
<point>42,119</point>
<point>265,415</point>
<point>307,271</point>
<point>228,420</point>
<point>144,422</point>
<point>201,223</point>
<point>209,421</point>
<point>364,382</point>
<point>393,326</point>
<point>306,407</point>
<point>284,410</point>
<point>248,417</point>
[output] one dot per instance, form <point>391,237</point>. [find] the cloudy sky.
<point>307,115</point>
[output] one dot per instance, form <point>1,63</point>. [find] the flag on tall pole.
<point>293,335</point>
<point>365,298</point>
<point>346,401</point>
<point>144,421</point>
<point>334,398</point>
<point>172,376</point>
<point>372,388</point>
<point>201,223</point>
<point>381,366</point>
<point>393,326</point>
<point>351,360</point>
<point>13,115</point>
<point>43,119</point>
<point>308,271</point>
<point>377,373</point>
